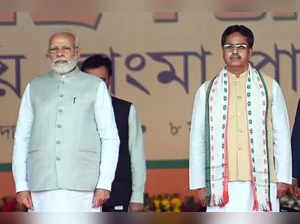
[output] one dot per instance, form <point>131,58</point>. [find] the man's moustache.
<point>57,61</point>
<point>235,56</point>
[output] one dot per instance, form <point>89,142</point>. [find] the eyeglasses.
<point>63,49</point>
<point>238,47</point>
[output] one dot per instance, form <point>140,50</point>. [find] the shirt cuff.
<point>137,197</point>
<point>22,187</point>
<point>284,180</point>
<point>104,183</point>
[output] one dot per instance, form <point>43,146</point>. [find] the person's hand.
<point>282,189</point>
<point>100,197</point>
<point>24,198</point>
<point>201,196</point>
<point>136,207</point>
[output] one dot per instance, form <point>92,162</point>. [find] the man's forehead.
<point>62,38</point>
<point>236,36</point>
<point>101,71</point>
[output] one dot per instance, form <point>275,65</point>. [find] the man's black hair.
<point>243,30</point>
<point>96,61</point>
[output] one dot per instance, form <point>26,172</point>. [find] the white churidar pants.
<point>241,198</point>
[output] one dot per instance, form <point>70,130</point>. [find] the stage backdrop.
<point>160,60</point>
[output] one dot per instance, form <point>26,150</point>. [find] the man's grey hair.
<point>66,33</point>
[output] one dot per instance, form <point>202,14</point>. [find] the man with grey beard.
<point>66,141</point>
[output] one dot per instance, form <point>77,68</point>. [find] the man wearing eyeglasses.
<point>58,162</point>
<point>240,152</point>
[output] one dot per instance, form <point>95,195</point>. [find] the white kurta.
<point>67,200</point>
<point>282,150</point>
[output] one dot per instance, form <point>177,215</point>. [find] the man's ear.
<point>250,52</point>
<point>48,55</point>
<point>77,52</point>
<point>109,82</point>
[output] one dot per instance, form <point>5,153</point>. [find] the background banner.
<point>160,60</point>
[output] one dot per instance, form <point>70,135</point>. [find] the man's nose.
<point>60,52</point>
<point>234,50</point>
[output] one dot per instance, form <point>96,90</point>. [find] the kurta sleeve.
<point>281,133</point>
<point>197,141</point>
<point>108,133</point>
<point>21,142</point>
<point>137,157</point>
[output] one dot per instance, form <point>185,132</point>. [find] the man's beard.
<point>62,65</point>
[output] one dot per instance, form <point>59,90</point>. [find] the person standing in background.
<point>295,141</point>
<point>129,183</point>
